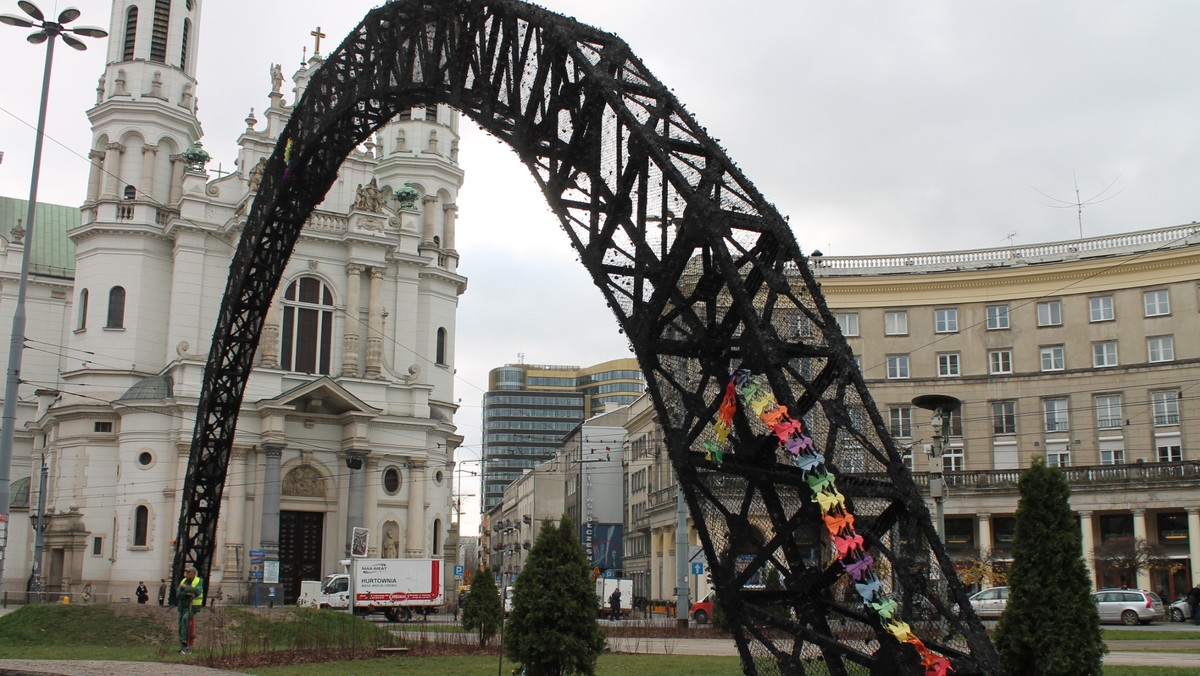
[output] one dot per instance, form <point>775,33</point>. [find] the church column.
<point>146,189</point>
<point>415,546</point>
<point>375,324</point>
<point>353,316</point>
<point>451,211</point>
<point>1089,546</point>
<point>96,160</point>
<point>176,180</point>
<point>1139,536</point>
<point>268,344</point>
<point>235,519</point>
<point>358,477</point>
<point>269,537</point>
<point>427,233</point>
<point>112,169</point>
<point>1193,521</point>
<point>371,502</point>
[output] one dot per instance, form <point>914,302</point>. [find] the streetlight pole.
<point>47,32</point>
<point>943,406</point>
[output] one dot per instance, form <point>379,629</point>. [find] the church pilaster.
<point>415,545</point>
<point>353,313</point>
<point>96,160</point>
<point>112,169</point>
<point>269,537</point>
<point>375,325</point>
<point>149,152</point>
<point>357,464</point>
<point>451,212</point>
<point>177,167</point>
<point>427,234</point>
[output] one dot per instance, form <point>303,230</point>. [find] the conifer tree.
<point>482,610</point>
<point>1050,625</point>
<point>552,629</point>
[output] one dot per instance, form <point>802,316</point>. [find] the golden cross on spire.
<point>318,35</point>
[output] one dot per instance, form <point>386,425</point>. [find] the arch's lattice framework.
<point>703,275</point>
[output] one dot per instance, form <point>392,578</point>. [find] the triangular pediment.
<point>322,396</point>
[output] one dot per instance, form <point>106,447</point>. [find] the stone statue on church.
<point>276,78</point>
<point>391,548</point>
<point>256,174</point>
<point>100,90</point>
<point>185,99</point>
<point>369,197</point>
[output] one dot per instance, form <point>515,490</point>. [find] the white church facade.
<point>347,418</point>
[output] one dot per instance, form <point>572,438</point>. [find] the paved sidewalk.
<point>103,668</point>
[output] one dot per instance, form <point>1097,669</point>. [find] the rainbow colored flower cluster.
<point>755,394</point>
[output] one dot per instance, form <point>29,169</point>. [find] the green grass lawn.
<point>1120,635</point>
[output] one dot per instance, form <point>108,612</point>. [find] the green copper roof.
<point>53,252</point>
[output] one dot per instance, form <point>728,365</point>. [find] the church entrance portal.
<point>300,540</point>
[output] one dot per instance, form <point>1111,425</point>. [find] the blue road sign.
<point>609,573</point>
<point>460,570</point>
<point>697,568</point>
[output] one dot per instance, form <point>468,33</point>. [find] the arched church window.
<point>441,347</point>
<point>83,303</point>
<point>158,34</point>
<point>130,192</point>
<point>130,33</point>
<point>307,331</point>
<point>141,525</point>
<point>437,536</point>
<point>187,30</point>
<point>116,308</point>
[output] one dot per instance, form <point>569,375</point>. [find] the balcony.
<point>1004,480</point>
<point>1166,419</point>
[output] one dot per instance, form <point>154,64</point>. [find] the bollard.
<point>66,600</point>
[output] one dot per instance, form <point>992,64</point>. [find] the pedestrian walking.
<point>162,592</point>
<point>87,592</point>
<point>614,602</point>
<point>190,599</point>
<point>142,593</point>
<point>1193,599</point>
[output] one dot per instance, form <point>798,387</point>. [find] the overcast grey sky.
<point>876,127</point>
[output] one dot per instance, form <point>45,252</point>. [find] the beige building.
<point>1083,352</point>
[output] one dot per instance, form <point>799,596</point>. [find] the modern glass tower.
<point>529,408</point>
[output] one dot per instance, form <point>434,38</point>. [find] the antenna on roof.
<point>1079,202</point>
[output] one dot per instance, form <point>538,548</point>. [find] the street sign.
<point>697,568</point>
<point>256,573</point>
<point>609,573</point>
<point>459,571</point>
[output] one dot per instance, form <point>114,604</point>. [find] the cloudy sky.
<point>876,127</point>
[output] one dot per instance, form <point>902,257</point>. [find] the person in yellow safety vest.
<point>190,599</point>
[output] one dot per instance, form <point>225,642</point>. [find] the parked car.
<point>989,604</point>
<point>702,610</point>
<point>1128,606</point>
<point>1181,610</point>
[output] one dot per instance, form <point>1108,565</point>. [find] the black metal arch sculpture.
<point>705,278</point>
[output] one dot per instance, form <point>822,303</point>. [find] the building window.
<point>1169,453</point>
<point>895,323</point>
<point>158,33</point>
<point>183,47</point>
<point>307,335</point>
<point>848,323</point>
<point>1100,309</point>
<point>83,307</point>
<point>997,317</point>
<point>1172,527</point>
<point>952,459</point>
<point>1053,358</point>
<point>141,525</point>
<point>1004,417</point>
<point>1058,457</point>
<point>1165,407</point>
<point>1049,313</point>
<point>945,320</point>
<point>1108,411</point>
<point>391,480</point>
<point>900,419</point>
<point>948,365</point>
<point>441,347</point>
<point>102,427</point>
<point>1104,354</point>
<point>1055,415</point>
<point>1158,303</point>
<point>130,34</point>
<point>98,546</point>
<point>1160,349</point>
<point>897,366</point>
<point>1112,456</point>
<point>1000,362</point>
<point>116,308</point>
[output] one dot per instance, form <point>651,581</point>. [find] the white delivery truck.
<point>398,588</point>
<point>605,586</point>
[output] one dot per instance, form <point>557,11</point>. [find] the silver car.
<point>1181,610</point>
<point>1128,606</point>
<point>989,604</point>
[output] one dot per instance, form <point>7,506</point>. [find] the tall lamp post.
<point>46,32</point>
<point>943,406</point>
